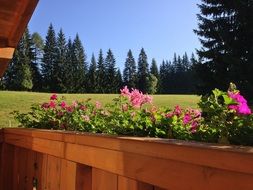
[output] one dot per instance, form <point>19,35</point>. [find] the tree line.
<point>59,65</point>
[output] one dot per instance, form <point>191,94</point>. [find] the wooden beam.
<point>5,57</point>
<point>6,53</point>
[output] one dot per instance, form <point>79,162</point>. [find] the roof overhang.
<point>14,17</point>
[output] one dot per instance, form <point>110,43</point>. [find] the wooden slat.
<point>83,177</point>
<point>102,180</point>
<point>7,167</point>
<point>55,148</point>
<point>53,173</point>
<point>127,184</point>
<point>68,175</point>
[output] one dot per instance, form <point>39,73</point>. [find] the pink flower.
<point>98,105</point>
<point>187,118</point>
<point>45,105</point>
<point>69,109</point>
<point>125,91</point>
<point>242,106</point>
<point>53,97</point>
<point>83,107</point>
<point>63,105</point>
<point>194,126</point>
<point>86,118</point>
<point>74,104</point>
<point>52,104</point>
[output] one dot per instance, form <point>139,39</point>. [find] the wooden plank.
<point>170,172</point>
<point>6,53</point>
<point>83,177</point>
<point>127,184</point>
<point>24,12</point>
<point>53,173</point>
<point>223,157</point>
<point>7,169</point>
<point>68,175</point>
<point>55,148</point>
<point>1,136</point>
<point>22,169</point>
<point>102,180</point>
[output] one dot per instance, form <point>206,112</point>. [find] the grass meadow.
<point>10,101</point>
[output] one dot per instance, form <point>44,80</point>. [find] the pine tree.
<point>69,86</point>
<point>110,71</point>
<point>92,76</point>
<point>37,46</point>
<point>19,73</point>
<point>226,34</point>
<point>60,69</point>
<point>79,66</point>
<point>49,60</point>
<point>129,73</point>
<point>101,73</point>
<point>119,81</point>
<point>143,72</point>
<point>154,68</point>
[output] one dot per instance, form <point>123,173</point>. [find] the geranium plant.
<point>223,117</point>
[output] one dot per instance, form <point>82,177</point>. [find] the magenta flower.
<point>177,110</point>
<point>53,97</point>
<point>242,106</point>
<point>52,104</point>
<point>69,109</point>
<point>83,107</point>
<point>187,118</point>
<point>63,105</point>
<point>45,105</point>
<point>74,104</point>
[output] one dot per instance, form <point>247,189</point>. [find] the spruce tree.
<point>154,68</point>
<point>79,66</point>
<point>143,72</point>
<point>225,30</point>
<point>49,60</point>
<point>19,73</point>
<point>119,81</point>
<point>60,69</point>
<point>101,73</point>
<point>92,76</point>
<point>38,46</point>
<point>69,86</point>
<point>129,72</point>
<point>110,63</point>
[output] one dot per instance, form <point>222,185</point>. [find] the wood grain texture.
<point>53,173</point>
<point>68,175</point>
<point>102,180</point>
<point>127,184</point>
<point>83,177</point>
<point>129,162</point>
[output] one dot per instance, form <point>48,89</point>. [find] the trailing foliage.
<point>223,117</point>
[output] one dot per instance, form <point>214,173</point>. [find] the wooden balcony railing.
<point>53,160</point>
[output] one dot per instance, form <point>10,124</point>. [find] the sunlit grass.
<point>10,101</point>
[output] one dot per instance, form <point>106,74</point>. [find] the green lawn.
<point>10,101</point>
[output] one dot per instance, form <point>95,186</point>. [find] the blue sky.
<point>162,27</point>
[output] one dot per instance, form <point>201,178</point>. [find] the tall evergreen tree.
<point>226,34</point>
<point>101,73</point>
<point>119,81</point>
<point>79,66</point>
<point>154,68</point>
<point>129,73</point>
<point>143,72</point>
<point>92,75</point>
<point>110,63</point>
<point>38,46</point>
<point>49,60</point>
<point>19,72</point>
<point>60,68</point>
